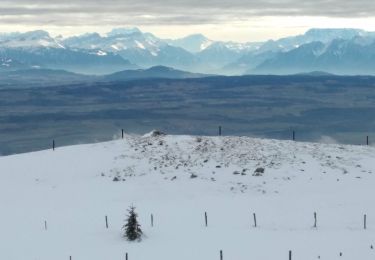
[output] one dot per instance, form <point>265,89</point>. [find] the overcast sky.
<point>238,20</point>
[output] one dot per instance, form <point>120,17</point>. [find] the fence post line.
<point>255,220</point>
<point>205,218</point>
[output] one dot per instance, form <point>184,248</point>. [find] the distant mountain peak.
<point>316,73</point>
<point>36,34</point>
<point>333,32</point>
<point>32,39</point>
<point>153,72</point>
<point>313,30</point>
<point>193,43</point>
<point>92,34</point>
<point>123,31</point>
<point>160,68</point>
<point>197,36</point>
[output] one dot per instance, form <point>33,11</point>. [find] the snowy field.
<point>178,179</point>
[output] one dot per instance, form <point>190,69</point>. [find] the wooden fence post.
<point>365,221</point>
<point>205,218</point>
<point>367,140</point>
<point>122,133</point>
<point>53,145</point>
<point>255,220</point>
<point>315,220</point>
<point>219,130</point>
<point>152,220</point>
<point>294,135</point>
<point>106,221</point>
<point>290,254</point>
<point>126,256</point>
<point>45,225</point>
<point>221,254</point>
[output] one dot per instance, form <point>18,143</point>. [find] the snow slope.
<point>72,188</point>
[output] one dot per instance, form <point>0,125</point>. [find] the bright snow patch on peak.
<point>101,53</point>
<point>205,45</point>
<point>140,45</point>
<point>115,47</point>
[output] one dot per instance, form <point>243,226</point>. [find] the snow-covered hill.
<point>177,179</point>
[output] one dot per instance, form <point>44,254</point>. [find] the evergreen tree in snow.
<point>132,228</point>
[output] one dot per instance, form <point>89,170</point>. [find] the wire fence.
<point>293,137</point>
<point>254,225</point>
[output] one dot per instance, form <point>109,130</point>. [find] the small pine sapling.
<point>132,228</point>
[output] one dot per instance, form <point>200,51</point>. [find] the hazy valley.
<point>316,107</point>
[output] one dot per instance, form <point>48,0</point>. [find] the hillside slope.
<point>177,179</point>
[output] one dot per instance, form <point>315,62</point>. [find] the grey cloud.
<point>145,12</point>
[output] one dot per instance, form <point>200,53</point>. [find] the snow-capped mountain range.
<point>341,51</point>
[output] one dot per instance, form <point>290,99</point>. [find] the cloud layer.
<point>171,12</point>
